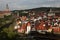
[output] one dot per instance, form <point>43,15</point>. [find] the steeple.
<point>50,10</point>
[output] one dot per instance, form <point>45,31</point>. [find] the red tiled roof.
<point>2,12</point>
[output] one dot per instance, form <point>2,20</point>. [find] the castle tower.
<point>7,7</point>
<point>7,11</point>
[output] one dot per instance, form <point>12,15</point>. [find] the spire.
<point>50,10</point>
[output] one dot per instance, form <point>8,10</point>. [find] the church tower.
<point>50,10</point>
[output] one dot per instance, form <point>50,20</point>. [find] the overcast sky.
<point>27,4</point>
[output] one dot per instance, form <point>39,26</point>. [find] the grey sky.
<point>27,4</point>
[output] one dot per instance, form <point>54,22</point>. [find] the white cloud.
<point>46,6</point>
<point>51,0</point>
<point>27,4</point>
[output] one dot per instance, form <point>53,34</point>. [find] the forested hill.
<point>41,9</point>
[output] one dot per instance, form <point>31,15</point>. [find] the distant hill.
<point>41,9</point>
